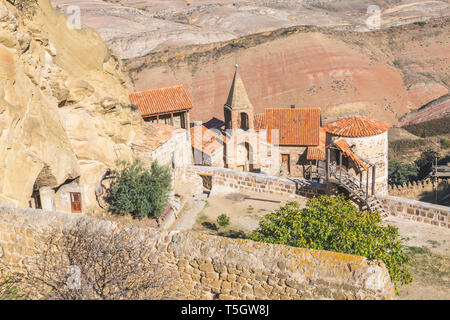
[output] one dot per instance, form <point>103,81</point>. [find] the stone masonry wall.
<point>417,211</point>
<point>247,181</point>
<point>207,267</point>
<point>416,189</point>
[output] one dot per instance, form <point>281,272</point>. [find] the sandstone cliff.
<point>64,108</point>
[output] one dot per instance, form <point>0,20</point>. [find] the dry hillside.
<point>308,53</point>
<point>381,74</point>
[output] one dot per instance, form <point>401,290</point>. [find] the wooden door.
<point>75,202</point>
<point>285,161</point>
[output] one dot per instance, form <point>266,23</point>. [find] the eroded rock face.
<point>134,28</point>
<point>64,108</point>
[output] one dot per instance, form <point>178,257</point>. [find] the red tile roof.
<point>297,127</point>
<point>342,144</point>
<point>356,127</point>
<point>156,134</point>
<point>207,140</point>
<point>161,101</point>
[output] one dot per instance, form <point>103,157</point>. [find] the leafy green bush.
<point>223,220</point>
<point>335,224</point>
<point>401,172</point>
<point>138,192</point>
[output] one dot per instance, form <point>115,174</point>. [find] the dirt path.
<point>189,214</point>
<point>429,247</point>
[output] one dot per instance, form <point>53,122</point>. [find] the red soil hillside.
<point>382,74</point>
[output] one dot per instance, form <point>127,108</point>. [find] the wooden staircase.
<point>353,186</point>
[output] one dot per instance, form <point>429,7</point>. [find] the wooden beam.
<point>328,164</point>
<point>373,180</point>
<point>367,184</point>
<point>171,119</point>
<point>360,178</point>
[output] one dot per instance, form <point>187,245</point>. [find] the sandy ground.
<point>244,213</point>
<point>430,248</point>
<point>423,235</point>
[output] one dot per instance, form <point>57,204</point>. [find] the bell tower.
<point>238,110</point>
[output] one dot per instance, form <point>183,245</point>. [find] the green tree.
<point>139,192</point>
<point>401,172</point>
<point>223,220</point>
<point>424,163</point>
<point>335,224</point>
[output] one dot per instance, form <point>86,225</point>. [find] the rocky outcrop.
<point>64,108</point>
<point>135,28</point>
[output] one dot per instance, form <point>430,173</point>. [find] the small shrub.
<point>9,289</point>
<point>223,220</point>
<point>139,192</point>
<point>112,264</point>
<point>335,224</point>
<point>210,226</point>
<point>420,23</point>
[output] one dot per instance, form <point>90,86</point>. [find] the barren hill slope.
<point>381,74</point>
<point>136,27</point>
<point>307,53</point>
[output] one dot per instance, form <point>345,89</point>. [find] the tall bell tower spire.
<point>238,109</point>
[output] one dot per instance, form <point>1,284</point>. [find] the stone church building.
<point>280,141</point>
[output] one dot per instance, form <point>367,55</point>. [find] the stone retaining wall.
<point>247,181</point>
<point>417,210</point>
<point>207,267</point>
<point>416,189</point>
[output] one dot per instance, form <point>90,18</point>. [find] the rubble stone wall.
<point>417,211</point>
<point>247,181</point>
<point>208,267</point>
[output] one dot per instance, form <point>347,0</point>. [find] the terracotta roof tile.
<point>207,140</point>
<point>156,134</point>
<point>298,127</point>
<point>160,101</point>
<point>342,144</point>
<point>356,127</point>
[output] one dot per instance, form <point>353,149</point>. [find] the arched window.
<point>227,119</point>
<point>244,121</point>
